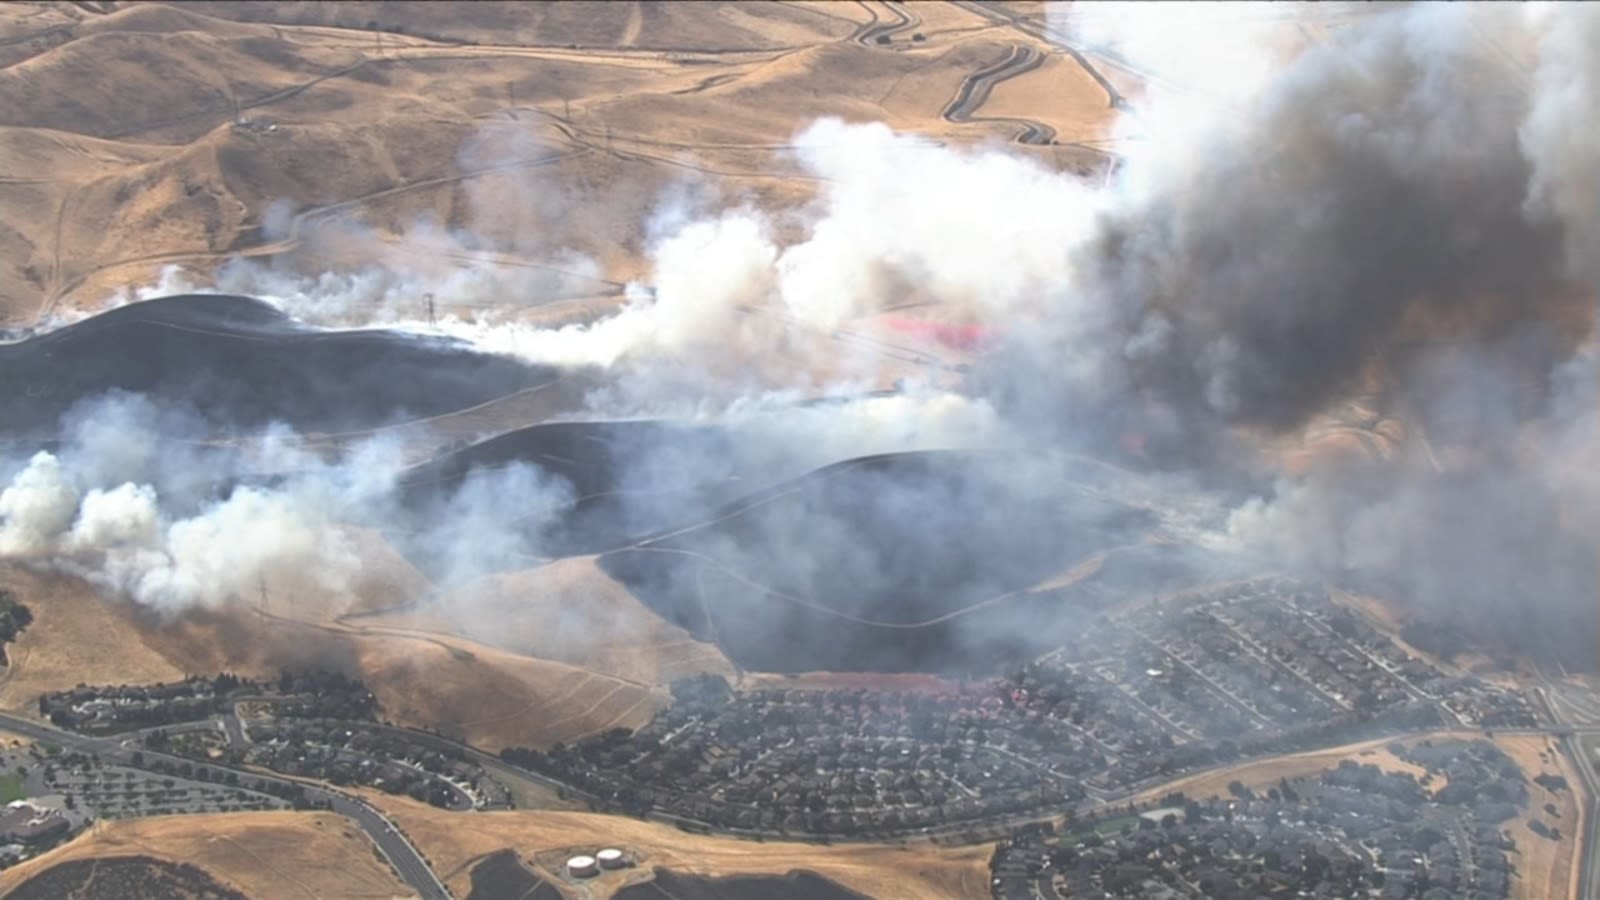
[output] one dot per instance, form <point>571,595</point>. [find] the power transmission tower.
<point>428,299</point>
<point>261,603</point>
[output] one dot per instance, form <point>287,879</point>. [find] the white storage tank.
<point>611,858</point>
<point>582,867</point>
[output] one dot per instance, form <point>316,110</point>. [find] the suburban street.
<point>405,858</point>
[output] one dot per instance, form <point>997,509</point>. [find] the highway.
<point>1588,878</point>
<point>1572,738</point>
<point>404,857</point>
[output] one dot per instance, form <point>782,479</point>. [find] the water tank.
<point>611,858</point>
<point>582,867</point>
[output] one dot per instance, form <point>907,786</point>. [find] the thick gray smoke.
<point>1417,198</point>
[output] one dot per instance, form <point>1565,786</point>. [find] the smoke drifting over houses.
<point>1405,206</point>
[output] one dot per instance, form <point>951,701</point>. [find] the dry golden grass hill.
<point>486,695</point>
<point>568,611</point>
<point>260,854</point>
<point>136,135</point>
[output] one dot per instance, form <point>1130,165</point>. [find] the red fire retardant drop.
<point>956,337</point>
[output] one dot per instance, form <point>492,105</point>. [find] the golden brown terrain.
<point>67,645</point>
<point>1546,868</point>
<point>155,134</point>
<point>261,854</point>
<point>488,696</point>
<point>1266,773</point>
<point>568,611</point>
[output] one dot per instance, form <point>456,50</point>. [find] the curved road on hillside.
<point>870,33</point>
<point>976,88</point>
<point>1043,33</point>
<point>400,853</point>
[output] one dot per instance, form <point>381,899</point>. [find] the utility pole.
<point>428,299</point>
<point>261,604</point>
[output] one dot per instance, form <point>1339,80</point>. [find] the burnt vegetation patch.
<point>121,877</point>
<point>239,362</point>
<point>900,562</point>
<point>669,885</point>
<point>500,876</point>
<point>621,480</point>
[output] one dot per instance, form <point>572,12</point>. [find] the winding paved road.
<point>405,858</point>
<point>1044,33</point>
<point>905,20</point>
<point>976,88</point>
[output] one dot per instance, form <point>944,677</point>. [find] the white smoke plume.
<point>37,508</point>
<point>203,529</point>
<point>989,242</point>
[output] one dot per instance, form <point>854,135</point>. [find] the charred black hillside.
<point>240,363</point>
<point>902,562</point>
<point>619,481</point>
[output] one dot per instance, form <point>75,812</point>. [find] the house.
<point>26,822</point>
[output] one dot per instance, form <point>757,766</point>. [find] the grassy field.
<point>70,642</point>
<point>261,854</point>
<point>453,843</point>
<point>11,788</point>
<point>1268,772</point>
<point>1546,869</point>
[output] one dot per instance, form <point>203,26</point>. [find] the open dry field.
<point>272,854</point>
<point>67,643</point>
<point>1546,869</point>
<point>488,696</point>
<point>453,843</point>
<point>568,611</point>
<point>492,699</point>
<point>1267,773</point>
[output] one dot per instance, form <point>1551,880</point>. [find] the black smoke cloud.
<point>1375,192</point>
<point>1409,200</point>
